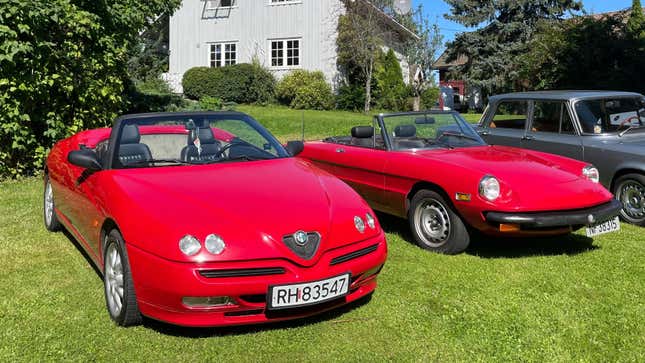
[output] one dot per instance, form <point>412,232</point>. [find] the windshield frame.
<point>151,118</point>
<point>575,102</point>
<point>460,121</point>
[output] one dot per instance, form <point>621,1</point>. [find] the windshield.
<point>192,140</point>
<point>610,114</point>
<point>430,131</point>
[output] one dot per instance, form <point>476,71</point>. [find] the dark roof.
<point>563,95</point>
<point>442,63</point>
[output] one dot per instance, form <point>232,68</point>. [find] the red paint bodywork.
<point>251,205</point>
<point>530,181</point>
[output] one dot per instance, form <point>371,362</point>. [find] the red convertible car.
<point>205,219</point>
<point>433,169</point>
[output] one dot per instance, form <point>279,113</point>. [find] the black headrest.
<point>405,131</point>
<point>362,132</point>
<point>206,136</point>
<point>130,134</point>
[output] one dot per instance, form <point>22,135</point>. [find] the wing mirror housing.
<point>295,147</point>
<point>86,159</point>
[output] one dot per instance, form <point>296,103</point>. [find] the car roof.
<point>562,95</point>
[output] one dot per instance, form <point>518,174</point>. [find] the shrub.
<point>429,97</point>
<point>305,89</point>
<point>208,103</point>
<point>390,92</point>
<point>152,95</point>
<point>240,83</point>
<point>351,97</point>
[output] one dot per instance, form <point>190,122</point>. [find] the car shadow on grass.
<point>497,247</point>
<point>333,316</point>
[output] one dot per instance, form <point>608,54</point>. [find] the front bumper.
<point>160,284</point>
<point>557,219</point>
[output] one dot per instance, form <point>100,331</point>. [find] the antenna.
<point>303,125</point>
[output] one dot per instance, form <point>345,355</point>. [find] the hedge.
<point>239,83</point>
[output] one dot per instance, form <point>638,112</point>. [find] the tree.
<point>636,22</point>
<point>390,90</point>
<point>421,53</point>
<point>63,69</point>
<point>506,27</point>
<point>361,34</point>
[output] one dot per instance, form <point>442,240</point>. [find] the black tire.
<point>435,225</point>
<point>123,309</point>
<point>49,209</point>
<point>630,190</point>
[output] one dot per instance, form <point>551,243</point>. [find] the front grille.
<point>306,251</point>
<point>244,312</point>
<point>304,310</point>
<point>211,274</point>
<point>353,255</point>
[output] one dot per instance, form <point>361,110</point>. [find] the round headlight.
<point>370,221</point>
<point>189,245</point>
<point>214,244</point>
<point>360,225</point>
<point>489,188</point>
<point>591,173</point>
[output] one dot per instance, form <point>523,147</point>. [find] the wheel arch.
<point>425,185</point>
<point>622,172</point>
<point>108,225</point>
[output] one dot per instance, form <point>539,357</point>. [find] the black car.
<point>606,129</point>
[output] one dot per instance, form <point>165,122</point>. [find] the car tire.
<point>122,306</point>
<point>630,190</point>
<point>435,225</point>
<point>49,209</point>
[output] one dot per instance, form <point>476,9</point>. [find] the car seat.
<point>210,147</point>
<point>131,150</point>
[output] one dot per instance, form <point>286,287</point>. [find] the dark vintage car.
<point>606,129</point>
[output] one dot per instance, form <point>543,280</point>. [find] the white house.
<point>281,34</point>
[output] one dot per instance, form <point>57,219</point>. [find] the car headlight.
<point>370,221</point>
<point>214,244</point>
<point>189,245</point>
<point>360,225</point>
<point>489,188</point>
<point>591,173</point>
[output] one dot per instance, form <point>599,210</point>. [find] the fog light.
<point>207,301</point>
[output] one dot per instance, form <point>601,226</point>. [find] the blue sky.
<point>435,9</point>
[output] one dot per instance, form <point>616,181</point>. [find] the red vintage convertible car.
<point>204,219</point>
<point>433,169</point>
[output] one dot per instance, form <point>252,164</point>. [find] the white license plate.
<point>288,296</point>
<point>611,225</point>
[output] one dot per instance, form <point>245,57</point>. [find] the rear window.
<point>610,114</point>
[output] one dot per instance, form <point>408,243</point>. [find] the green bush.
<point>429,97</point>
<point>240,83</point>
<point>152,95</point>
<point>351,97</point>
<point>208,103</point>
<point>305,90</point>
<point>390,92</point>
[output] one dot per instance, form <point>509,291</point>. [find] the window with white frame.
<point>285,53</point>
<point>222,54</point>
<point>285,1</point>
<point>215,4</point>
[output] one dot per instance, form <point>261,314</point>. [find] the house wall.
<point>252,24</point>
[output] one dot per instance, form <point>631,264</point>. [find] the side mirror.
<point>295,147</point>
<point>86,159</point>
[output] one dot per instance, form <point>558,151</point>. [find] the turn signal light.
<point>504,227</point>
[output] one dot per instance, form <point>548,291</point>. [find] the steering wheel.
<point>629,121</point>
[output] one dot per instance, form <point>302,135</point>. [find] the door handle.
<point>528,138</point>
<point>340,150</point>
<point>484,132</point>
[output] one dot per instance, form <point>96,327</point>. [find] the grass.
<point>565,299</point>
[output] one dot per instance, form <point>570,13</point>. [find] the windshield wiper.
<point>241,158</point>
<point>459,134</point>
<point>160,161</point>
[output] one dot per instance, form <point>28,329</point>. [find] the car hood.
<point>251,205</point>
<point>529,179</point>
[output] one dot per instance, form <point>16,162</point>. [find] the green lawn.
<point>567,299</point>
